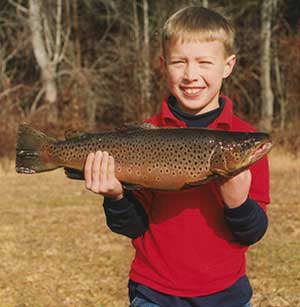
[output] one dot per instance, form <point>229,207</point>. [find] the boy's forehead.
<point>188,35</point>
<point>196,46</point>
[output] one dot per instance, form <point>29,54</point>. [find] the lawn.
<point>56,250</point>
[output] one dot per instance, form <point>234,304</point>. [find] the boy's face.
<point>194,73</point>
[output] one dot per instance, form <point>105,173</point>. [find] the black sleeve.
<point>248,223</point>
<point>126,216</point>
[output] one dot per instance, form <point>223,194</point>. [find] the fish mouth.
<point>261,150</point>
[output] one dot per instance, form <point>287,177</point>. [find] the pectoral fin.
<point>74,174</point>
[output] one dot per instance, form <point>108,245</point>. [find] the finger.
<point>248,173</point>
<point>111,169</point>
<point>245,175</point>
<point>88,170</point>
<point>96,171</point>
<point>104,167</point>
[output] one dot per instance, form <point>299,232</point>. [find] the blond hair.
<point>198,23</point>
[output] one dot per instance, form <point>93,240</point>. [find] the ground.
<point>55,249</point>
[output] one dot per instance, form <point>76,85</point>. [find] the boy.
<point>190,245</point>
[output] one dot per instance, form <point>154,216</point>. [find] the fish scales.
<point>143,156</point>
<point>151,155</point>
<point>159,158</point>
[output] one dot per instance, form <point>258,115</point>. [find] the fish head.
<point>238,151</point>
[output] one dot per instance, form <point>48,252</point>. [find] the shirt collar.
<point>223,122</point>
<point>168,119</point>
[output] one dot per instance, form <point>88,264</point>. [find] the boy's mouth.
<point>192,91</point>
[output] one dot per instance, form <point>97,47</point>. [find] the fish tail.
<point>31,155</point>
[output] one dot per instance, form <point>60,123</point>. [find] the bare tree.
<point>142,50</point>
<point>48,50</point>
<point>146,92</point>
<point>267,109</point>
<point>279,77</point>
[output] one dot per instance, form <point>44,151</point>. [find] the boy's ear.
<point>162,63</point>
<point>229,64</point>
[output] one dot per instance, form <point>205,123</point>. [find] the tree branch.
<point>19,7</point>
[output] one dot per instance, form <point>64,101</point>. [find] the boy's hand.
<point>99,174</point>
<point>234,191</point>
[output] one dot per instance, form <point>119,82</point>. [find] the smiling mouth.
<point>192,91</point>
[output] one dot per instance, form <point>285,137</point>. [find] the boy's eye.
<point>177,62</point>
<point>204,62</point>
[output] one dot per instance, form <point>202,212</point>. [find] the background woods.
<point>95,64</point>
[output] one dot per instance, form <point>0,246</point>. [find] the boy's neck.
<point>214,104</point>
<point>191,120</point>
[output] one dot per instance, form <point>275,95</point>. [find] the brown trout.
<point>146,156</point>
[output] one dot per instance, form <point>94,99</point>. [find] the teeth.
<point>191,90</point>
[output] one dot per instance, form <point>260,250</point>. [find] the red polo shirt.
<point>188,250</point>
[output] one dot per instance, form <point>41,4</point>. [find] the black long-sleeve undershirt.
<point>248,222</point>
<point>126,216</point>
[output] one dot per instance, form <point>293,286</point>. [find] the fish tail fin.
<point>30,151</point>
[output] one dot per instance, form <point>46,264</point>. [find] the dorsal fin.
<point>148,126</point>
<point>70,134</point>
<point>136,126</point>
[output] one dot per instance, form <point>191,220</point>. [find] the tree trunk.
<point>90,106</point>
<point>47,67</point>
<point>280,93</point>
<point>280,89</point>
<point>265,80</point>
<point>146,82</point>
<point>137,67</point>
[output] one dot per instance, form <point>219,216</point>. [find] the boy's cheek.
<point>172,71</point>
<point>173,78</point>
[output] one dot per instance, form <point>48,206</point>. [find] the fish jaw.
<point>232,158</point>
<point>261,150</point>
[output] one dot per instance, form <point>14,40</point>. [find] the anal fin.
<point>131,187</point>
<point>200,182</point>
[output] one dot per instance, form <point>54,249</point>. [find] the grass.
<point>274,263</point>
<point>55,249</point>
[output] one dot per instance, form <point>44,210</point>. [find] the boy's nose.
<point>191,73</point>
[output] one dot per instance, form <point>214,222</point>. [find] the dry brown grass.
<point>55,249</point>
<point>274,263</point>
